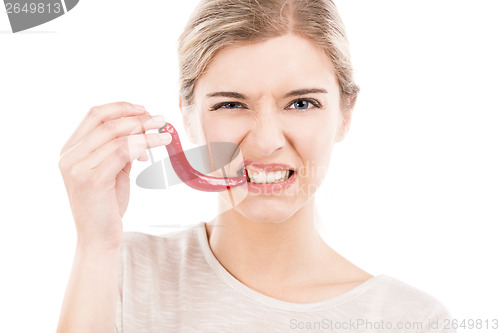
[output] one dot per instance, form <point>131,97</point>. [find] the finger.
<point>120,156</point>
<point>115,154</point>
<point>144,157</point>
<point>127,168</point>
<point>110,130</point>
<point>98,115</point>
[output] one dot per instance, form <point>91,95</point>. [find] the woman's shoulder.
<point>144,245</point>
<point>393,287</point>
<point>396,296</point>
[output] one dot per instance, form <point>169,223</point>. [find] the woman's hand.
<point>95,164</point>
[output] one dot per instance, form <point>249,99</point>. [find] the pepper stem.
<point>161,129</point>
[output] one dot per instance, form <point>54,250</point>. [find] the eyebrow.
<point>230,94</point>
<point>306,91</point>
<point>298,92</point>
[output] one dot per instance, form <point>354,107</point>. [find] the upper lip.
<point>265,167</point>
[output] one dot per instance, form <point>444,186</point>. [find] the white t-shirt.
<point>174,283</point>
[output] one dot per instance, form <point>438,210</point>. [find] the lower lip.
<point>274,188</point>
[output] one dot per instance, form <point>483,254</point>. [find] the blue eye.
<point>226,105</point>
<point>304,104</point>
<point>230,105</point>
<point>301,104</point>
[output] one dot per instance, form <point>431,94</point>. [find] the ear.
<point>186,121</point>
<point>189,120</point>
<point>344,125</point>
<point>189,128</point>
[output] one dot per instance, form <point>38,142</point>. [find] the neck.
<point>266,253</point>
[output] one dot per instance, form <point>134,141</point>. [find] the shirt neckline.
<point>235,284</point>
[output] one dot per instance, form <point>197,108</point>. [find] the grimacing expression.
<point>279,101</point>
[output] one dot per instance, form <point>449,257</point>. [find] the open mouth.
<point>262,177</point>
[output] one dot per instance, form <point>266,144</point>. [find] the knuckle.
<point>122,147</point>
<point>122,141</point>
<point>124,105</point>
<point>141,119</point>
<point>93,111</point>
<point>62,164</point>
<point>108,126</point>
<point>141,122</point>
<point>144,117</point>
<point>74,173</point>
<point>122,153</point>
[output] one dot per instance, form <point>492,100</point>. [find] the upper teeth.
<point>268,177</point>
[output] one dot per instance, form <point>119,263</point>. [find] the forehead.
<point>275,65</point>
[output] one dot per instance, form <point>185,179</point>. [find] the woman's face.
<point>278,100</point>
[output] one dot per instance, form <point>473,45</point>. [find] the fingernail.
<point>140,107</point>
<point>165,137</point>
<point>159,119</point>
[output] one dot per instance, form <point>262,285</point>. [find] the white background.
<point>413,191</point>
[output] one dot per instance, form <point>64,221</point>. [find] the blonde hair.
<point>218,23</point>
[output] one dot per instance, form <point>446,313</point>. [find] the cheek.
<point>315,154</point>
<point>223,129</point>
<point>314,144</point>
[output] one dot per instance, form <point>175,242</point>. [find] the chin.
<point>266,213</point>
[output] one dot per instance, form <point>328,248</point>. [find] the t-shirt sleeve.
<point>438,320</point>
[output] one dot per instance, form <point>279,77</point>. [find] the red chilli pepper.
<point>188,174</point>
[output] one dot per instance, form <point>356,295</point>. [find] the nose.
<point>267,135</point>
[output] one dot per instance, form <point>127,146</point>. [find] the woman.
<point>275,78</point>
